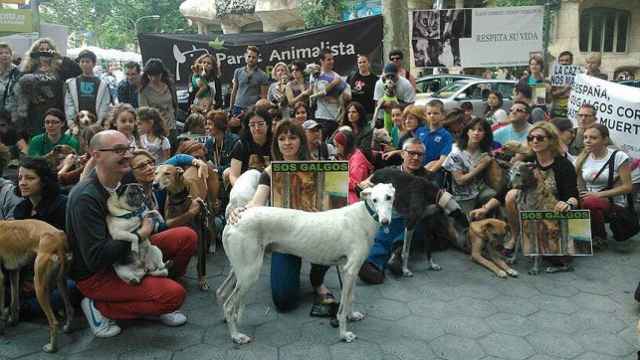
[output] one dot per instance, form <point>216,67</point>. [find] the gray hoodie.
<point>8,199</point>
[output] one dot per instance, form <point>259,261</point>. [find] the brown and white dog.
<point>58,154</point>
<point>182,187</point>
<point>20,242</point>
<point>83,119</point>
<point>485,236</point>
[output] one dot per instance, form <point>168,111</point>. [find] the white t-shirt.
<point>155,147</point>
<point>591,167</point>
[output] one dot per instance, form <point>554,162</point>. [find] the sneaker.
<point>101,326</point>
<point>370,274</point>
<point>172,319</point>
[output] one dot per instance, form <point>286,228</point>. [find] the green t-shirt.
<point>41,145</point>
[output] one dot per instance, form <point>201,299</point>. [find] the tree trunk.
<point>396,28</point>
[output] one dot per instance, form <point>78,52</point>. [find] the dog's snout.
<point>156,186</point>
<point>385,221</point>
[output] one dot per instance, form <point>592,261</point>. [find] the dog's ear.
<point>121,189</point>
<point>488,227</point>
<point>365,194</point>
<point>179,171</point>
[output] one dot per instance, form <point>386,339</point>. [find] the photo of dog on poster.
<point>436,36</point>
<point>547,233</point>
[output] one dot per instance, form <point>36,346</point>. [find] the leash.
<point>371,212</point>
<point>137,213</point>
<point>183,195</point>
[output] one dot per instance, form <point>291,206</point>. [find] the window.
<point>604,30</point>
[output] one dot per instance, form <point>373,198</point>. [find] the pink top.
<point>359,169</point>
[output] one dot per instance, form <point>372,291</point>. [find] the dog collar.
<point>137,213</point>
<point>373,214</point>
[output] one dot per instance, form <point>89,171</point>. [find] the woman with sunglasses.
<point>560,176</point>
<point>298,89</point>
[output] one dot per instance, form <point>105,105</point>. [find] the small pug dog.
<point>127,209</point>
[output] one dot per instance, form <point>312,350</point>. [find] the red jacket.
<point>359,169</point>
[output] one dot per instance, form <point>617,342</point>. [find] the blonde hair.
<point>595,58</point>
<point>416,111</point>
<point>29,65</point>
<point>273,70</point>
<point>552,136</point>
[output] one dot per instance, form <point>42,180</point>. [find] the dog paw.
<point>349,336</point>
<point>355,316</point>
<point>510,261</point>
<point>241,339</point>
<point>512,273</point>
<point>435,267</point>
<point>501,274</point>
<point>49,348</point>
<point>407,273</point>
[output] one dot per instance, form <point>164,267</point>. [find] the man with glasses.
<point>362,83</point>
<point>519,125</point>
<point>372,271</point>
<point>395,57</point>
<point>585,117</point>
<point>108,298</point>
<point>250,84</point>
<point>128,88</point>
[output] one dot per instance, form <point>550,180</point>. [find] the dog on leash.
<point>83,119</point>
<point>389,95</point>
<point>484,237</point>
<point>182,187</point>
<point>20,242</point>
<point>264,228</point>
<point>418,200</point>
<point>127,209</point>
<point>534,195</point>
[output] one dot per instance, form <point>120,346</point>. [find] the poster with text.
<point>617,106</point>
<point>549,233</point>
<point>309,185</point>
<point>482,37</point>
<point>563,75</point>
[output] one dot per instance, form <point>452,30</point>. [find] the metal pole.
<point>35,15</point>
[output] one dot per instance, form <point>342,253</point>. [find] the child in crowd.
<point>398,129</point>
<point>194,128</point>
<point>123,119</point>
<point>154,135</point>
<point>437,140</point>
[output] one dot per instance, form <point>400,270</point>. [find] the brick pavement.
<point>462,312</point>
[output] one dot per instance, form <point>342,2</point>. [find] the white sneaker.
<point>175,318</point>
<point>101,326</point>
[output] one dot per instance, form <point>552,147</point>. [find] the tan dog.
<point>184,186</point>
<point>20,242</point>
<point>58,154</point>
<point>484,236</point>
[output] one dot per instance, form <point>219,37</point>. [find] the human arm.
<point>624,184</point>
<point>435,165</point>
<point>142,98</point>
<point>260,197</point>
<point>462,178</point>
<point>69,105</point>
<point>202,86</point>
<point>234,90</point>
<point>236,168</point>
<point>218,94</point>
<point>187,217</point>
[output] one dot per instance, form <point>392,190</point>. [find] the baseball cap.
<point>390,69</point>
<point>310,124</point>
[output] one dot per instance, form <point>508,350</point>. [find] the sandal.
<point>556,269</point>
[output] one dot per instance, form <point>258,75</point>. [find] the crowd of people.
<point>279,116</point>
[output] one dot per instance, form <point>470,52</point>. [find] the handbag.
<point>623,221</point>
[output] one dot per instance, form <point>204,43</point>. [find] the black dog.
<point>420,200</point>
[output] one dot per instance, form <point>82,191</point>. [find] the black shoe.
<point>395,263</point>
<point>370,274</point>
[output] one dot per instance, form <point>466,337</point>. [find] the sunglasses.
<point>538,138</point>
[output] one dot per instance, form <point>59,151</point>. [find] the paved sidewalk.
<point>462,312</point>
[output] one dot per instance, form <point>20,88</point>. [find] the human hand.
<point>146,229</point>
<point>234,122</point>
<point>365,184</point>
<point>203,168</point>
<point>69,161</point>
<point>562,206</point>
<point>388,155</point>
<point>585,194</point>
<point>82,159</point>
<point>235,215</point>
<point>484,161</point>
<point>478,214</point>
<point>195,207</point>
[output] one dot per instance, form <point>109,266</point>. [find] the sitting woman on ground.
<point>493,112</point>
<point>467,162</point>
<point>289,145</point>
<point>414,118</point>
<point>194,127</point>
<point>567,135</point>
<point>356,119</point>
<point>560,178</point>
<point>359,167</point>
<point>597,195</point>
<point>42,200</point>
<point>254,148</point>
<point>154,135</point>
<point>54,124</point>
<point>73,165</point>
<point>219,142</point>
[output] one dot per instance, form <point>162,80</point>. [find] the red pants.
<point>599,209</point>
<point>118,300</point>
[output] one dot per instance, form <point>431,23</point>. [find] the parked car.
<point>634,83</point>
<point>427,85</point>
<point>474,91</point>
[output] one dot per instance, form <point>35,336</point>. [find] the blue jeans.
<point>285,279</point>
<point>383,243</point>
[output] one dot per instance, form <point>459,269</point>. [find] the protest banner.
<point>617,106</point>
<point>563,75</point>
<point>549,233</point>
<point>309,185</point>
<point>482,37</point>
<point>345,40</point>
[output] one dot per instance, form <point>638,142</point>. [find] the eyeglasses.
<point>257,124</point>
<point>52,122</point>
<point>538,138</point>
<point>119,150</point>
<point>148,163</point>
<point>294,69</point>
<point>520,110</point>
<point>415,153</point>
<point>395,58</point>
<point>585,115</point>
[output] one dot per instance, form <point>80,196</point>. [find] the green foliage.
<point>321,12</point>
<point>111,22</point>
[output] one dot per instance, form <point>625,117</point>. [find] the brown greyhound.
<point>20,242</point>
<point>183,186</point>
<point>484,236</point>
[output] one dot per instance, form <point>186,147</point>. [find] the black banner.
<point>346,40</point>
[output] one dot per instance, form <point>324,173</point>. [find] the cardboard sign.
<point>16,21</point>
<point>549,233</point>
<point>563,75</point>
<point>309,185</point>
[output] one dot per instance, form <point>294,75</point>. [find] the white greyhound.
<point>340,237</point>
<point>243,190</point>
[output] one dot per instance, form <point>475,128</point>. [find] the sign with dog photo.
<point>481,37</point>
<point>309,185</point>
<point>549,233</point>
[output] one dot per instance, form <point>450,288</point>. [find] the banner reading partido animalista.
<point>482,37</point>
<point>618,108</point>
